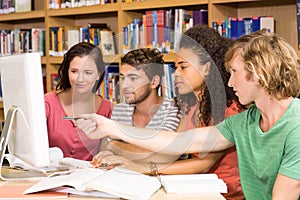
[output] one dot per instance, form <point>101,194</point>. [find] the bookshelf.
<point>119,14</point>
<point>284,13</point>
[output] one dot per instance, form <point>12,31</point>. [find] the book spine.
<point>125,39</point>
<point>160,29</point>
<point>247,25</point>
<point>53,80</point>
<point>149,27</point>
<point>43,42</point>
<point>144,22</point>
<point>84,34</point>
<point>23,6</point>
<point>234,28</point>
<point>203,16</point>
<point>255,23</point>
<point>1,8</point>
<point>9,42</point>
<point>35,40</point>
<point>154,25</point>
<point>60,41</point>
<point>267,22</point>
<point>240,27</point>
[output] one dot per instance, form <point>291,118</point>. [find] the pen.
<point>69,118</point>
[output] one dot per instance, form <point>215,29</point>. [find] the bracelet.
<point>153,169</point>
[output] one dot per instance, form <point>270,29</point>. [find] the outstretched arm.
<point>196,140</point>
<point>193,165</point>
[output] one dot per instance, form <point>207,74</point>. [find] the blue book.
<point>84,34</point>
<point>255,23</point>
<point>154,25</point>
<point>240,27</point>
<point>234,28</point>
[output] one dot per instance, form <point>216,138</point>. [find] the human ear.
<point>206,69</point>
<point>155,81</point>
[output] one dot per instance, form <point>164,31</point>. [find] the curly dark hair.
<point>79,50</point>
<point>209,46</point>
<point>150,60</point>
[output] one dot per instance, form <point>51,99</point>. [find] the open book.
<point>193,183</point>
<point>119,182</point>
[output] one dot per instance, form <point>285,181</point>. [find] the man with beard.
<point>141,73</point>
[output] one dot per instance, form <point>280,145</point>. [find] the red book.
<point>160,22</point>
<point>149,26</point>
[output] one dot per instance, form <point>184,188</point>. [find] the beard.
<point>140,97</point>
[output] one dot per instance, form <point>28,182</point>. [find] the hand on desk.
<point>111,161</point>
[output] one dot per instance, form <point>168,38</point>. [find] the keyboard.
<point>72,163</point>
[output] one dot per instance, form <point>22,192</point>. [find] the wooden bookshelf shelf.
<point>156,4</point>
<point>22,16</point>
<point>232,1</point>
<point>56,60</point>
<point>114,7</point>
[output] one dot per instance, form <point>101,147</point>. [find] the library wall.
<point>119,14</point>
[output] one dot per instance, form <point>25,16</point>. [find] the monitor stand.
<point>5,172</point>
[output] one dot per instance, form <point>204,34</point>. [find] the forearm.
<point>193,165</point>
<point>196,140</point>
<point>204,139</point>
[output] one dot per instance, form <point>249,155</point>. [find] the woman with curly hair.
<point>205,99</point>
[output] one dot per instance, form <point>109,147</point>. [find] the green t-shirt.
<point>262,155</point>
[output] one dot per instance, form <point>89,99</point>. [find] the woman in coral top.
<point>79,77</point>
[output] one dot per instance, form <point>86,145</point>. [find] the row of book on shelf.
<point>11,6</point>
<point>57,4</point>
<point>157,29</point>
<point>236,27</point>
<point>161,28</point>
<point>110,87</point>
<point>99,34</point>
<point>22,41</point>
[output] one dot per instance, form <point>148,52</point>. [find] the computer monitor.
<point>25,128</point>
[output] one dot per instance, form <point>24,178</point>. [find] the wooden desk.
<point>159,195</point>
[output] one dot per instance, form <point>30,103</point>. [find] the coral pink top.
<point>64,134</point>
<point>227,168</point>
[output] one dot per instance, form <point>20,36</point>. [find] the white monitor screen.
<point>22,87</point>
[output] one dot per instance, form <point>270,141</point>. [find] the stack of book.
<point>193,184</point>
